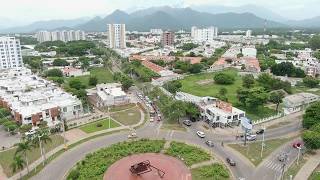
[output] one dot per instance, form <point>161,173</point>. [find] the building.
<point>204,35</point>
<point>167,38</point>
<point>156,31</point>
<point>298,102</point>
<point>32,99</point>
<point>212,110</point>
<point>70,71</point>
<point>116,36</point>
<point>107,95</point>
<point>10,53</point>
<point>65,36</point>
<point>250,52</point>
<point>248,33</point>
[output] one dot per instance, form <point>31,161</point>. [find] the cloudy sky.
<point>34,10</point>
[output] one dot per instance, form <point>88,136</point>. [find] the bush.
<point>99,125</point>
<point>310,82</point>
<point>2,121</point>
<point>311,116</point>
<point>214,171</point>
<point>311,139</point>
<point>224,78</point>
<point>54,73</point>
<point>74,174</point>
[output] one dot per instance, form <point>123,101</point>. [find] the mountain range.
<point>166,17</point>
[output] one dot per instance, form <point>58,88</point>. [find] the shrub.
<point>224,78</point>
<point>99,125</point>
<point>74,174</point>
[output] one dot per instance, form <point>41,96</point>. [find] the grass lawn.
<point>212,172</point>
<point>104,124</point>
<point>122,107</point>
<point>252,150</point>
<point>172,126</point>
<point>190,154</point>
<point>316,174</point>
<point>127,117</point>
<point>103,75</point>
<point>7,156</point>
<point>195,85</point>
<point>294,168</point>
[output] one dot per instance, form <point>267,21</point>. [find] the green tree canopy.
<point>54,73</point>
<point>310,82</point>
<point>60,62</point>
<point>224,78</point>
<point>248,81</point>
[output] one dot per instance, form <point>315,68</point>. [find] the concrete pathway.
<point>308,167</point>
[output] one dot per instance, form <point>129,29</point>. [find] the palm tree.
<point>23,148</point>
<point>41,138</point>
<point>17,164</point>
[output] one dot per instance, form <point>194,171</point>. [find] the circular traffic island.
<point>148,166</point>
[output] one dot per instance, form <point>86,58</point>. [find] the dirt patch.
<point>205,82</point>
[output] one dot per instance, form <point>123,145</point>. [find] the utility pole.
<point>64,134</point>
<point>262,144</point>
<point>299,149</point>
<point>109,117</point>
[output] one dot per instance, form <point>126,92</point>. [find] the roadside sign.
<point>246,123</point>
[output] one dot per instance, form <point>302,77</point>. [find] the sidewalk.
<point>308,167</point>
<point>52,152</point>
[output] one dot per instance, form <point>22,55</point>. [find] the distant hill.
<point>175,19</point>
<point>307,23</point>
<point>45,25</point>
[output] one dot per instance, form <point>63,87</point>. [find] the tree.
<point>126,82</point>
<point>175,110</point>
<point>287,69</point>
<point>248,81</point>
<point>173,86</point>
<point>310,82</point>
<point>60,62</point>
<point>257,96</point>
<point>84,62</point>
<point>93,81</point>
<point>23,148</point>
<point>223,91</point>
<point>54,73</point>
<point>314,42</point>
<point>223,78</point>
<point>188,46</point>
<point>242,95</point>
<point>317,55</point>
<point>17,164</point>
<point>76,84</point>
<point>195,68</point>
<point>192,111</point>
<point>41,138</point>
<point>276,98</point>
<point>311,116</point>
<point>311,139</point>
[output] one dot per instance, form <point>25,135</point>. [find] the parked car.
<point>201,134</point>
<point>187,122</point>
<point>252,137</point>
<point>297,144</point>
<point>260,131</point>
<point>210,143</point>
<point>282,157</point>
<point>231,162</point>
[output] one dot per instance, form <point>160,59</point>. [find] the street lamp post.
<point>299,149</point>
<point>109,117</point>
<point>262,144</point>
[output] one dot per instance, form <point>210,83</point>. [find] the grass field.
<point>103,75</point>
<point>253,150</point>
<point>127,117</point>
<point>122,107</point>
<point>94,127</point>
<point>195,84</point>
<point>7,156</point>
<point>316,174</point>
<point>192,84</point>
<point>294,168</point>
<point>212,172</point>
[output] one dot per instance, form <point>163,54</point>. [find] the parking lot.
<point>7,140</point>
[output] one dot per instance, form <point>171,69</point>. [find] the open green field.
<point>212,172</point>
<point>203,85</point>
<point>316,174</point>
<point>127,117</point>
<point>6,157</point>
<point>294,168</point>
<point>103,75</point>
<point>99,126</point>
<point>253,149</point>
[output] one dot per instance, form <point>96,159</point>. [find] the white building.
<point>250,52</point>
<point>248,33</point>
<point>32,99</point>
<point>107,95</point>
<point>43,36</point>
<point>204,35</point>
<point>156,31</point>
<point>10,53</point>
<point>213,110</point>
<point>297,102</point>
<point>116,36</point>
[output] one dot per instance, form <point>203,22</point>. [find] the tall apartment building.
<point>43,36</point>
<point>116,36</point>
<point>10,53</point>
<point>167,38</point>
<point>204,34</point>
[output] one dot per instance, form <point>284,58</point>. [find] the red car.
<point>297,145</point>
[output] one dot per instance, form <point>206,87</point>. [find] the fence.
<point>263,120</point>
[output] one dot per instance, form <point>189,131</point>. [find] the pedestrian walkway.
<point>308,167</point>
<point>276,166</point>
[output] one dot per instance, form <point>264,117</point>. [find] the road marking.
<point>168,135</point>
<point>171,134</point>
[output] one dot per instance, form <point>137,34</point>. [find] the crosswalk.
<point>276,166</point>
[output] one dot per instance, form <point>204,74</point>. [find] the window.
<point>47,113</point>
<point>65,109</point>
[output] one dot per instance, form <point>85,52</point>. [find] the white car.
<point>252,137</point>
<point>201,134</point>
<point>151,119</point>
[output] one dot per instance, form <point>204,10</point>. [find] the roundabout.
<point>158,167</point>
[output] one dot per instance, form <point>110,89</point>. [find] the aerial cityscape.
<point>160,90</point>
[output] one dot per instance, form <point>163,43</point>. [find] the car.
<point>297,144</point>
<point>210,143</point>
<point>231,162</point>
<point>283,157</point>
<point>260,131</point>
<point>151,119</point>
<point>252,137</point>
<point>187,122</point>
<point>201,134</point>
<point>132,135</point>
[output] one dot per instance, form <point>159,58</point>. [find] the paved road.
<point>60,166</point>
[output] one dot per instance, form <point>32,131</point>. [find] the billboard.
<point>246,123</point>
